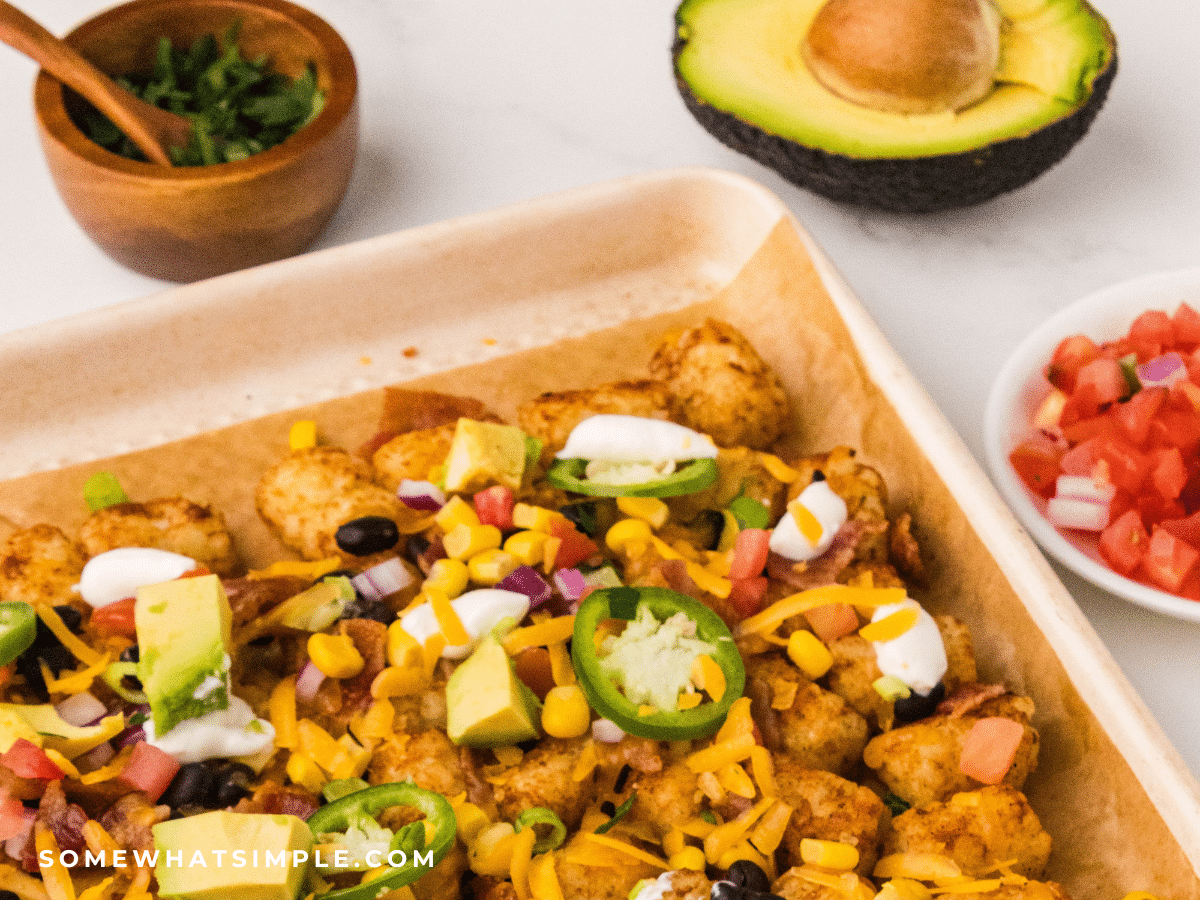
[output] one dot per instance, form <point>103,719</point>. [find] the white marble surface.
<point>469,106</point>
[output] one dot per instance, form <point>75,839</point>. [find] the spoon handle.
<point>68,66</point>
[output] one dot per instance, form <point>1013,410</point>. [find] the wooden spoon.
<point>151,129</point>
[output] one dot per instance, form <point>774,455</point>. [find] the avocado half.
<point>741,73</point>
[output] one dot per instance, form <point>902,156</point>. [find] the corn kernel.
<point>302,435</point>
<point>808,653</point>
<point>829,854</point>
<point>450,576</point>
<point>527,546</point>
<point>470,820</point>
<point>650,510</point>
<point>627,533</point>
<point>688,858</point>
<point>306,773</point>
<point>457,511</point>
<point>566,713</point>
<point>674,841</point>
<point>335,655</point>
<point>492,850</point>
<point>464,541</point>
<point>491,566</point>
<point>403,649</point>
<point>535,518</point>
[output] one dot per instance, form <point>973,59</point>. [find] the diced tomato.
<point>1154,509</point>
<point>1136,414</point>
<point>1128,467</point>
<point>750,553</point>
<point>149,769</point>
<point>115,618</point>
<point>1071,355</point>
<point>1123,543</point>
<point>1106,377</point>
<point>575,547</point>
<point>1037,462</point>
<point>1168,559</point>
<point>1081,406</point>
<point>1169,474</point>
<point>989,749</point>
<point>1081,430</point>
<point>833,621</point>
<point>12,818</point>
<point>26,759</point>
<point>1187,529</point>
<point>1186,323</point>
<point>494,506</point>
<point>1082,459</point>
<point>1153,330</point>
<point>1177,425</point>
<point>747,595</point>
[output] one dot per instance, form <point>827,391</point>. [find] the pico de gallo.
<point>1115,448</point>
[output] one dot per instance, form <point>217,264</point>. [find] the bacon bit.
<point>406,410</point>
<point>825,568</point>
<point>967,698</point>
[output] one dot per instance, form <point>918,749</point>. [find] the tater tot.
<point>170,523</point>
<point>40,565</point>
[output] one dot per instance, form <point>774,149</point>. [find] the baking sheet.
<point>1124,812</point>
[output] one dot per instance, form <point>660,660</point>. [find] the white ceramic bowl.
<point>1020,388</point>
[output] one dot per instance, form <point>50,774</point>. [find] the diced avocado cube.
<point>242,856</point>
<point>41,724</point>
<point>484,453</point>
<point>487,705</point>
<point>183,631</point>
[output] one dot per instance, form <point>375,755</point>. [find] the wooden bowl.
<point>189,223</point>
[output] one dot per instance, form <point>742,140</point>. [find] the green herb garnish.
<point>895,803</point>
<point>238,107</point>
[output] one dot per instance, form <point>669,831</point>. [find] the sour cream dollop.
<point>479,611</point>
<point>116,574</point>
<point>631,439</point>
<point>825,507</point>
<point>233,731</point>
<point>918,656</point>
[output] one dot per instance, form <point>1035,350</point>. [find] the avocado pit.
<point>905,56</point>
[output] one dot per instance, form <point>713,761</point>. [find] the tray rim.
<point>1108,694</point>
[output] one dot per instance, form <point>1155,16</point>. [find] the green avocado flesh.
<point>743,57</point>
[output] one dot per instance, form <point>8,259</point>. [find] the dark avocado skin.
<point>911,185</point>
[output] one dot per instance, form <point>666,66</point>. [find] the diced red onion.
<point>1081,487</point>
<point>1162,371</point>
<point>570,583</point>
<point>15,845</point>
<point>308,681</point>
<point>81,709</point>
<point>130,736</point>
<point>95,758</point>
<point>606,731</point>
<point>1085,515</point>
<point>421,495</point>
<point>525,580</point>
<point>382,579</point>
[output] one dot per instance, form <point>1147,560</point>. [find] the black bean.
<point>914,706</point>
<point>370,534</point>
<point>622,778</point>
<point>29,669</point>
<point>71,617</point>
<point>233,783</point>
<point>608,807</point>
<point>194,784</point>
<point>9,895</point>
<point>750,876</point>
<point>56,658</point>
<point>416,546</point>
<point>132,653</point>
<point>583,516</point>
<point>369,609</point>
